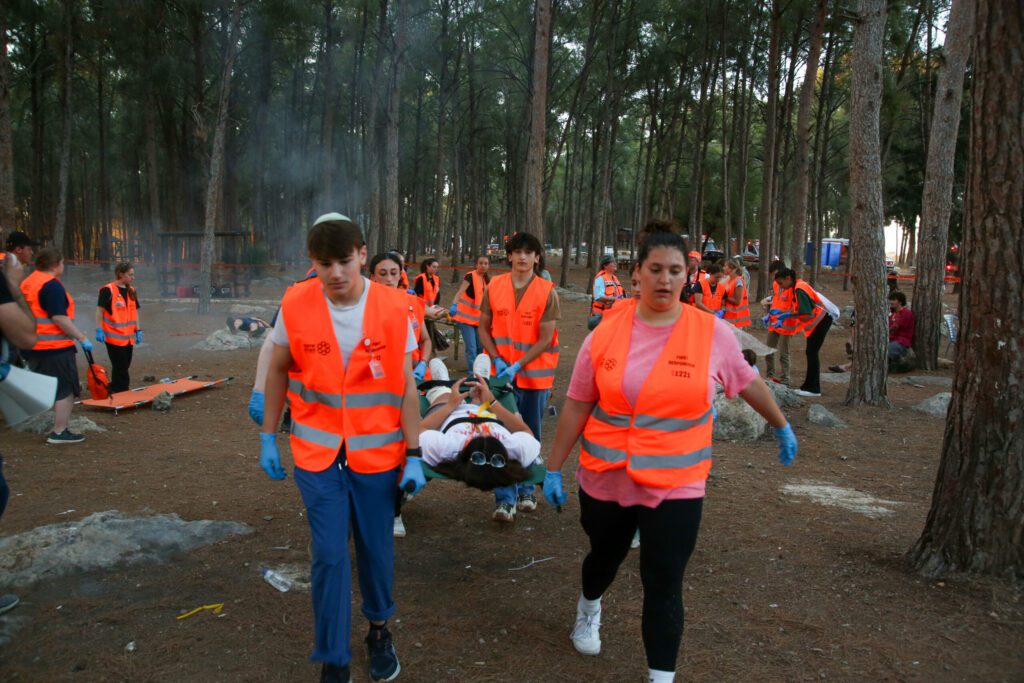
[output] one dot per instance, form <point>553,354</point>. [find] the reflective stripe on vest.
<point>468,310</point>
<point>612,289</point>
<point>737,314</point>
<point>120,325</point>
<point>516,328</point>
<point>806,323</point>
<point>334,403</point>
<point>49,336</point>
<point>665,440</point>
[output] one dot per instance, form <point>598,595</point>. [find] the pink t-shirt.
<point>727,367</point>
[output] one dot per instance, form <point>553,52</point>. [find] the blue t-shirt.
<point>53,299</point>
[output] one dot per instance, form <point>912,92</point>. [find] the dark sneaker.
<point>329,673</point>
<point>384,664</point>
<point>64,437</point>
<point>8,602</point>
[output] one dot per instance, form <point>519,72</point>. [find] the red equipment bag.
<point>99,383</point>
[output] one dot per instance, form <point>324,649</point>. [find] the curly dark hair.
<point>483,477</point>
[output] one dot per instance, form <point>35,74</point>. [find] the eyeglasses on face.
<point>497,460</point>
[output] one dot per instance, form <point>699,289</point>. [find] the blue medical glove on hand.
<point>413,472</point>
<point>453,309</point>
<point>256,406</point>
<point>138,336</point>
<point>100,336</point>
<point>719,314</point>
<point>553,489</point>
<point>786,439</point>
<point>509,373</point>
<point>420,371</point>
<point>499,365</point>
<point>270,459</point>
<point>766,320</point>
<point>86,344</point>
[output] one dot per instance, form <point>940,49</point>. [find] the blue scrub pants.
<point>531,404</point>
<point>473,348</point>
<point>338,501</point>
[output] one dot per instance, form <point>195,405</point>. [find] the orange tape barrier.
<point>947,278</point>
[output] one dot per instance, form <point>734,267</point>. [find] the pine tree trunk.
<point>214,190</point>
<point>389,230</point>
<point>867,243</point>
<point>328,94</point>
<point>7,208</point>
<point>936,203</point>
<point>768,162</point>
<point>976,520</point>
<point>802,182</point>
<point>534,177</point>
<point>64,177</point>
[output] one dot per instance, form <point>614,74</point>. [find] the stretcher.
<point>133,398</point>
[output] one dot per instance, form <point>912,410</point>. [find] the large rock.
<point>936,406</point>
<point>43,424</point>
<point>784,396</point>
<point>930,380</point>
<point>222,340</point>
<point>820,415</point>
<point>907,362</point>
<point>835,377</point>
<point>737,421</point>
<point>569,295</point>
<point>103,540</point>
<point>246,309</point>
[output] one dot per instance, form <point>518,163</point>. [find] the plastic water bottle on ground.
<point>279,582</point>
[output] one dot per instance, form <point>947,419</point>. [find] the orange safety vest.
<point>806,323</point>
<point>468,310</point>
<point>737,314</point>
<point>403,278</point>
<point>698,277</point>
<point>664,441</point>
<point>712,301</point>
<point>48,335</point>
<point>612,289</point>
<point>358,404</point>
<point>516,328</point>
<point>120,327</point>
<point>782,300</point>
<point>431,285</point>
<point>417,312</point>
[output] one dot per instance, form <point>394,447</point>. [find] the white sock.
<point>589,607</point>
<point>655,676</point>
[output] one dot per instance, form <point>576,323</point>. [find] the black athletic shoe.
<point>384,664</point>
<point>329,673</point>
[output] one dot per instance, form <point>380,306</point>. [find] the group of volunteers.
<point>52,308</point>
<point>347,354</point>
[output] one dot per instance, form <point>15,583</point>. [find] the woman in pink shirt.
<point>622,491</point>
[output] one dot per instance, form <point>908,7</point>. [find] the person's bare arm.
<point>68,327</point>
<point>439,415</point>
<point>17,325</point>
<point>570,425</point>
<point>484,332</point>
<point>458,295</point>
<point>426,346</point>
<point>276,382</point>
<point>262,364</point>
<point>737,293</point>
<point>410,407</point>
<point>513,422</point>
<point>759,397</point>
<point>698,301</point>
<point>99,317</point>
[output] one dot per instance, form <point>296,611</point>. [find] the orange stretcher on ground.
<point>133,398</point>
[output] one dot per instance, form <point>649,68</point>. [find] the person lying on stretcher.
<point>471,436</point>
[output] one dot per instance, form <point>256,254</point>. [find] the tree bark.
<point>803,132</point>
<point>768,161</point>
<point>214,190</point>
<point>389,230</point>
<point>534,177</point>
<point>936,202</point>
<point>7,207</point>
<point>65,154</point>
<point>867,243</point>
<point>976,521</point>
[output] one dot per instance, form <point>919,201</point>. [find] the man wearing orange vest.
<point>465,308</point>
<point>778,334</point>
<point>807,314</point>
<point>710,294</point>
<point>342,355</point>
<point>607,289</point>
<point>54,351</point>
<point>518,330</point>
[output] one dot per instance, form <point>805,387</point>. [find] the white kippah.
<point>333,216</point>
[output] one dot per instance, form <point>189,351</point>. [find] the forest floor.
<point>781,588</point>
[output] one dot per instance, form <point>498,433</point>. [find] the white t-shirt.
<point>438,446</point>
<point>348,326</point>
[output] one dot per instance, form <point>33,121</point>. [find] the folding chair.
<point>950,330</point>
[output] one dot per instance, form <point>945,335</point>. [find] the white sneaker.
<point>399,531</point>
<point>438,370</point>
<point>527,502</point>
<point>635,543</point>
<point>482,365</point>
<point>801,392</point>
<point>586,634</point>
<point>504,512</point>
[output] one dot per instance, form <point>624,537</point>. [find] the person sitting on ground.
<point>901,326</point>
<point>487,454</point>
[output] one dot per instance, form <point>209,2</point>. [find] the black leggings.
<point>668,534</point>
<point>814,342</point>
<point>120,361</point>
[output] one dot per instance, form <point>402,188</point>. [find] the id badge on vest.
<point>376,368</point>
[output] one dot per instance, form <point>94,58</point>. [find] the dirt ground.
<point>781,588</point>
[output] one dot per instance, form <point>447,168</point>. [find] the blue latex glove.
<point>766,320</point>
<point>553,489</point>
<point>499,365</point>
<point>100,336</point>
<point>719,314</point>
<point>420,371</point>
<point>86,344</point>
<point>256,399</point>
<point>270,459</point>
<point>781,314</point>
<point>453,309</point>
<point>509,373</point>
<point>787,443</point>
<point>411,291</point>
<point>413,472</point>
<point>138,336</point>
